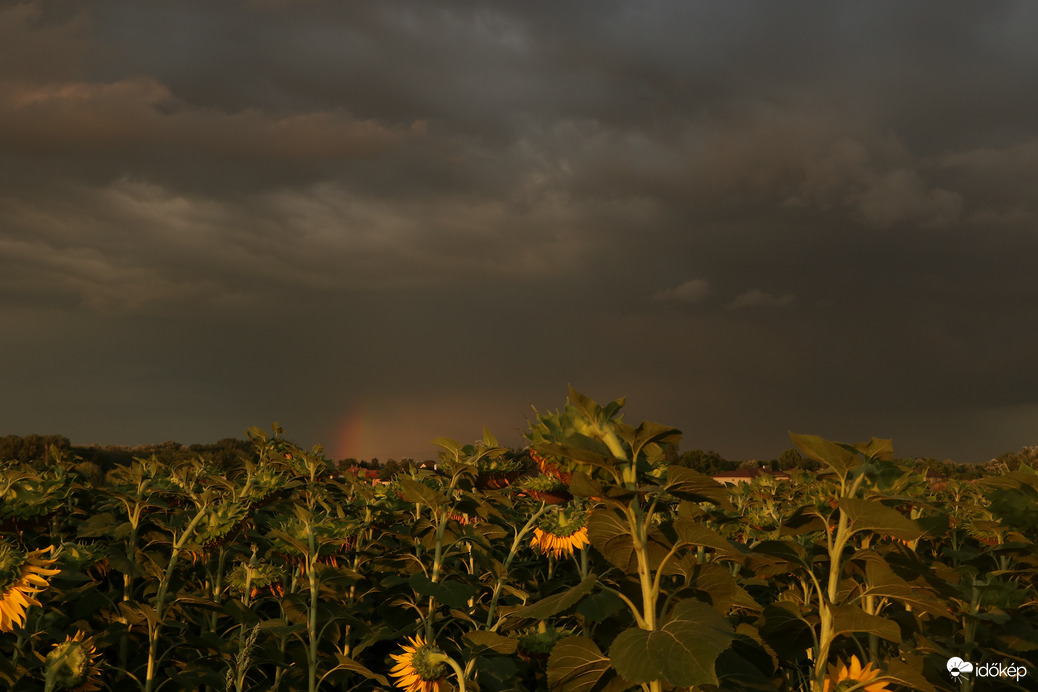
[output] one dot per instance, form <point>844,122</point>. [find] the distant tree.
<point>105,456</point>
<point>789,459</point>
<point>705,462</point>
<point>391,468</point>
<point>793,459</point>
<point>29,448</point>
<point>1025,455</point>
<point>224,453</point>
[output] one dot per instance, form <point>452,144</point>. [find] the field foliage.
<point>583,563</point>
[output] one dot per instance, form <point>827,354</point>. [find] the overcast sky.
<point>379,223</point>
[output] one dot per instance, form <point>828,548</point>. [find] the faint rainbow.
<point>354,431</point>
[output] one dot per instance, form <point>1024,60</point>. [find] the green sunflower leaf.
<point>682,652</point>
<point>576,665</point>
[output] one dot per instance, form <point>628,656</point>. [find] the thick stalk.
<point>650,590</point>
<point>155,628</point>
<point>292,588</point>
<point>218,585</point>
<point>828,599</point>
<point>243,641</point>
<point>131,557</point>
<point>441,526</point>
<point>312,624</point>
<point>520,534</point>
<point>871,609</point>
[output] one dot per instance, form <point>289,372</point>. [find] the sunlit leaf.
<point>347,663</point>
<point>682,652</point>
<point>850,619</point>
<point>835,456</point>
<point>691,485</point>
<point>546,607</point>
<point>876,448</point>
<point>482,640</point>
<point>871,515</point>
<point>421,493</point>
<point>576,665</point>
<point>450,593</point>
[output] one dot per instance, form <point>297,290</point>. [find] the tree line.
<point>229,450</point>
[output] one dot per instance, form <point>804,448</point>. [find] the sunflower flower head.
<point>852,674</point>
<point>71,665</point>
<point>22,575</point>
<point>420,668</point>
<point>561,532</point>
<point>537,643</point>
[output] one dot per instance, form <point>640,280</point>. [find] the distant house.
<point>747,475</point>
<point>370,475</point>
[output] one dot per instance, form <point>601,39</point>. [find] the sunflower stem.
<point>312,620</point>
<point>457,672</point>
<point>155,628</point>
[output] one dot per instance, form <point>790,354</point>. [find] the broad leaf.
<point>695,533</point>
<point>600,606</point>
<point>835,456</point>
<point>347,663</point>
<point>716,581</point>
<point>654,434</point>
<point>450,593</point>
<point>421,493</point>
<point>882,581</point>
<point>452,446</point>
<point>848,619</point>
<point>576,664</point>
<point>482,640</point>
<point>907,674</point>
<point>692,485</point>
<point>610,535</point>
<point>871,515</point>
<point>787,628</point>
<point>876,448</point>
<point>583,449</point>
<point>488,438</point>
<point>682,652</point>
<point>546,607</point>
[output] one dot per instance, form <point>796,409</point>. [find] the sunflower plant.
<point>23,575</point>
<point>622,471</point>
<point>71,665</point>
<point>861,573</point>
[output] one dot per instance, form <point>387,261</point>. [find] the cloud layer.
<point>424,218</point>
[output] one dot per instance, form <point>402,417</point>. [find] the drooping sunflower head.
<point>420,668</point>
<point>536,643</point>
<point>83,557</point>
<point>22,575</point>
<point>561,532</point>
<point>258,579</point>
<point>547,489</point>
<point>221,522</point>
<point>332,538</point>
<point>852,674</point>
<point>71,663</point>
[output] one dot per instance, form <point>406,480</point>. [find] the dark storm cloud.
<point>747,219</point>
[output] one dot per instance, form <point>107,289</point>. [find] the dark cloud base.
<point>378,224</point>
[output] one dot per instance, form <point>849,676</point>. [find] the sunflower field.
<point>584,562</point>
